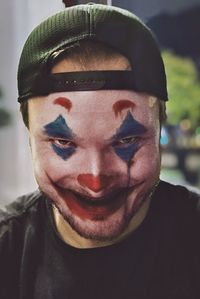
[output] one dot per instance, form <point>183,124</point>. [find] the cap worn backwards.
<point>113,26</point>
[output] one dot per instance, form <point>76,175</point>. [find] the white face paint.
<point>96,156</point>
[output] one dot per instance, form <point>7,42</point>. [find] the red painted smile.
<point>93,208</point>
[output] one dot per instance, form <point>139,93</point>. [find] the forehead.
<point>92,63</point>
<point>89,105</point>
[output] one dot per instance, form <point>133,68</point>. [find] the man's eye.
<point>62,143</point>
<point>126,141</point>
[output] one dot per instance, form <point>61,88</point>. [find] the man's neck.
<point>71,237</point>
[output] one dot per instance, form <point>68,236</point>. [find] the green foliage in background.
<point>183,88</point>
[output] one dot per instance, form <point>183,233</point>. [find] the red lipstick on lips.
<point>94,210</point>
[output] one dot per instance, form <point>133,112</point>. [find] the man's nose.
<point>92,182</point>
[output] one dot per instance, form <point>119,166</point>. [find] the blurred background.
<point>176,24</point>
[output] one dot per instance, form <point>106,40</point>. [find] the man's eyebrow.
<point>121,105</point>
<point>129,127</point>
<point>64,102</point>
<point>58,128</point>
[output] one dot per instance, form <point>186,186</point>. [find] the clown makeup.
<point>96,156</point>
<point>125,141</point>
<point>62,144</point>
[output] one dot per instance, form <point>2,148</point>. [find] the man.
<point>92,90</point>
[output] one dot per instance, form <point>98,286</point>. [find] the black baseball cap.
<point>110,25</point>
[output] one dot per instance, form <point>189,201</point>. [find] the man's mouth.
<point>93,208</point>
<point>99,201</point>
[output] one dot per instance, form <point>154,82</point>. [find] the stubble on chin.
<point>101,230</point>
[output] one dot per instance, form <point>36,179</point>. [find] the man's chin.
<point>104,230</point>
<point>105,227</point>
<point>101,222</point>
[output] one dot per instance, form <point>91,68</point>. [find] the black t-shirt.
<point>161,259</point>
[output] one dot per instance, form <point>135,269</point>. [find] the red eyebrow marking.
<point>122,104</point>
<point>64,102</point>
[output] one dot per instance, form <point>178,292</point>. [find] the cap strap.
<point>86,80</point>
<point>91,80</point>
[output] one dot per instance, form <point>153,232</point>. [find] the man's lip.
<point>98,201</point>
<point>94,200</point>
<point>91,208</point>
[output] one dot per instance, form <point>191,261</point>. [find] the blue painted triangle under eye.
<point>59,129</point>
<point>63,153</point>
<point>129,127</point>
<point>127,153</point>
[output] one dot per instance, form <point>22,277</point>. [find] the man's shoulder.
<point>178,205</point>
<point>19,207</point>
<point>16,215</point>
<point>180,194</point>
<point>20,233</point>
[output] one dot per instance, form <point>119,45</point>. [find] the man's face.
<point>96,156</point>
